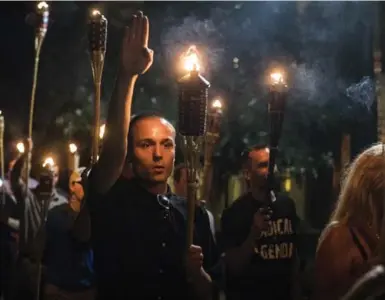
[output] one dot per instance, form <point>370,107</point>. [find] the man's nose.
<point>157,153</point>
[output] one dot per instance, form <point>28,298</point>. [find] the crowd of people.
<point>120,233</point>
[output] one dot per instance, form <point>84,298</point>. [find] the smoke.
<point>193,31</point>
<point>310,44</point>
<point>362,92</point>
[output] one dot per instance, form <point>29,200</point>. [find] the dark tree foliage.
<point>325,47</point>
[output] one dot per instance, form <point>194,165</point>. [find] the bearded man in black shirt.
<point>259,237</point>
<point>138,235</point>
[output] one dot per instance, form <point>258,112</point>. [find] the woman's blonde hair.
<point>361,200</point>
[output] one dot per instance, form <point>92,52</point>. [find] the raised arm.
<point>135,59</point>
<point>15,178</point>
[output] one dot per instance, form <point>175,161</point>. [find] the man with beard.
<point>259,235</point>
<point>138,236</point>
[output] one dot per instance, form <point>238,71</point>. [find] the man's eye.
<point>168,145</point>
<point>145,145</point>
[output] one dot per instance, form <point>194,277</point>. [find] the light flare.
<point>102,131</point>
<point>20,147</point>
<point>217,104</point>
<point>42,5</point>
<point>73,148</point>
<point>95,12</point>
<point>277,78</point>
<point>48,162</point>
<point>191,59</point>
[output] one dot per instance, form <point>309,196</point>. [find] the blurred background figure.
<point>353,241</point>
<point>68,260</point>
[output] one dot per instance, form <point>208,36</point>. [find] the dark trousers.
<point>8,256</point>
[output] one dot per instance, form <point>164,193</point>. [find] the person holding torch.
<point>259,235</point>
<point>138,236</point>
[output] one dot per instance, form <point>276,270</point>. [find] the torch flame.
<point>277,78</point>
<point>191,59</point>
<point>20,147</point>
<point>48,162</point>
<point>42,5</point>
<point>102,131</point>
<point>73,148</point>
<point>95,12</point>
<point>217,104</point>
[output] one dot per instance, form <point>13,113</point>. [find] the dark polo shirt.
<point>139,243</point>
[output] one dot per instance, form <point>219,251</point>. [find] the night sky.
<point>328,48</point>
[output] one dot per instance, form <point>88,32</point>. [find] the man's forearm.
<point>119,115</point>
<point>115,145</point>
<point>237,258</point>
<point>201,284</point>
<point>119,112</point>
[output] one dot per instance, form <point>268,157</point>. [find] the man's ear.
<point>246,174</point>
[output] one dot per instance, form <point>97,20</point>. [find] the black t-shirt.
<point>139,244</point>
<point>269,271</point>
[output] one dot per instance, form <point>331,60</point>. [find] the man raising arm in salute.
<point>138,236</point>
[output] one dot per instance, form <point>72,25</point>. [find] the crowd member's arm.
<point>13,223</point>
<point>17,180</point>
<point>19,183</point>
<point>238,255</point>
<point>135,59</point>
<point>200,282</point>
<point>9,221</point>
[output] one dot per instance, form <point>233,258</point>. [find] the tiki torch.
<point>45,191</point>
<point>42,15</point>
<point>214,120</point>
<point>73,157</point>
<point>102,131</point>
<point>276,111</point>
<point>97,35</point>
<point>192,114</point>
